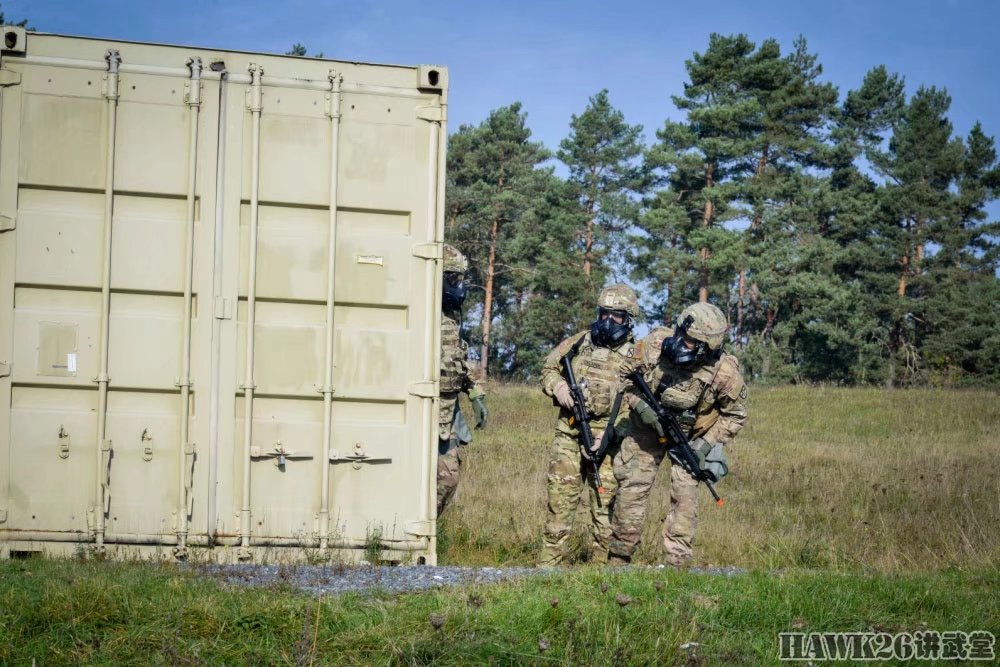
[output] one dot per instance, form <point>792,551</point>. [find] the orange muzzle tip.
<point>720,502</point>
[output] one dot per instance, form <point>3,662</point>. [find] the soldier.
<point>458,374</point>
<point>603,353</point>
<point>702,385</point>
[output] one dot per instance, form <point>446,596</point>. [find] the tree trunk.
<point>590,207</point>
<point>769,326</point>
<point>484,358</point>
<point>755,225</point>
<point>903,274</point>
<point>905,266</point>
<point>739,309</point>
<point>706,221</point>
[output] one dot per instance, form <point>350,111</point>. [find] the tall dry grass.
<point>821,477</point>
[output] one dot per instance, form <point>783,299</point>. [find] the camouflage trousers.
<point>451,455</point>
<point>635,468</point>
<point>452,438</point>
<point>566,479</point>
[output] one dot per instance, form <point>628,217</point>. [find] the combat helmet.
<point>453,290</point>
<point>454,260</point>
<point>619,297</point>
<point>699,334</point>
<point>708,324</point>
<point>617,305</point>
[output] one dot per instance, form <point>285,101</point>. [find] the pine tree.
<point>921,165</point>
<point>492,184</point>
<point>852,221</point>
<point>961,313</point>
<point>602,153</point>
<point>547,286</point>
<point>790,150</point>
<point>299,49</point>
<point>701,160</point>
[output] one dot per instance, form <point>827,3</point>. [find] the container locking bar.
<point>280,455</point>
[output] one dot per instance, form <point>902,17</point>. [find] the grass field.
<point>893,481</point>
<point>139,614</point>
<point>853,510</point>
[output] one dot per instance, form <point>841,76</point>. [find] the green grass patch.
<point>130,613</point>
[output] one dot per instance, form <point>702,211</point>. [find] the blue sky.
<point>553,55</point>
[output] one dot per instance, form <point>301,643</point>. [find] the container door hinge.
<point>7,223</point>
<point>428,250</point>
<point>223,308</point>
<point>5,367</point>
<point>9,77</point>
<point>3,516</point>
<point>425,389</point>
<point>433,114</point>
<point>420,528</point>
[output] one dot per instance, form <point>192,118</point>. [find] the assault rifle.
<point>581,419</point>
<point>680,449</point>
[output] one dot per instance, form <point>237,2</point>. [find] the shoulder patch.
<point>729,380</point>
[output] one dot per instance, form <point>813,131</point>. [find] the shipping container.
<point>220,303</point>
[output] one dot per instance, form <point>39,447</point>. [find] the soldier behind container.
<point>603,354</point>
<point>703,387</point>
<point>458,374</point>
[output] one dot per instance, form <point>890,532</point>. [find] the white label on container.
<point>71,362</point>
<point>370,259</point>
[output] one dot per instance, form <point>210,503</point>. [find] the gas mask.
<point>611,329</point>
<point>677,352</point>
<point>453,291</point>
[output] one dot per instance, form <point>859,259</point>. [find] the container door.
<point>379,473</point>
<point>66,129</point>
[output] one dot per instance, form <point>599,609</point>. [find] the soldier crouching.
<point>703,387</point>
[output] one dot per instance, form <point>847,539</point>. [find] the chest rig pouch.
<point>598,369</point>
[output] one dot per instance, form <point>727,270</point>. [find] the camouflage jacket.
<point>710,400</point>
<point>457,372</point>
<point>598,369</point>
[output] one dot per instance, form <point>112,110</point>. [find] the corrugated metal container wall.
<point>188,359</point>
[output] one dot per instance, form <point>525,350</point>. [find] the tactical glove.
<point>647,415</point>
<point>563,395</point>
<point>479,409</point>
<point>711,459</point>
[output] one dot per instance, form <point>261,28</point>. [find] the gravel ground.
<point>332,580</point>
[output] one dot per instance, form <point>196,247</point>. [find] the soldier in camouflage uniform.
<point>603,355</point>
<point>702,385</point>
<point>458,374</point>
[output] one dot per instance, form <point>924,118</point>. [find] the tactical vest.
<point>598,370</point>
<point>688,393</point>
<point>454,352</point>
